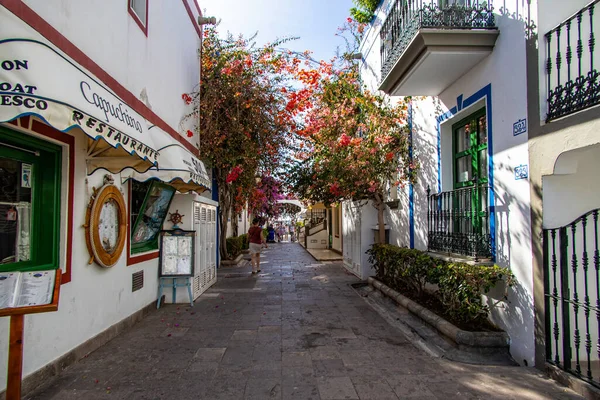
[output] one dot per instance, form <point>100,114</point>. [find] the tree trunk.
<point>234,222</point>
<point>224,208</point>
<point>380,205</point>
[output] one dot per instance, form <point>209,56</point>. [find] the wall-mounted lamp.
<point>355,56</point>
<point>207,20</point>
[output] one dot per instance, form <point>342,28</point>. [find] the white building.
<point>466,61</point>
<point>505,129</point>
<point>88,91</point>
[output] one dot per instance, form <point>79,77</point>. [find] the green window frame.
<point>469,143</point>
<point>150,217</point>
<point>470,155</point>
<point>46,161</point>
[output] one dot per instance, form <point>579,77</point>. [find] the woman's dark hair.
<point>255,221</point>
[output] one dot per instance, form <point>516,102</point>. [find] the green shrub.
<point>234,246</point>
<point>404,268</point>
<point>245,243</point>
<point>460,286</point>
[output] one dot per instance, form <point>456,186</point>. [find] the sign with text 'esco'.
<point>36,79</point>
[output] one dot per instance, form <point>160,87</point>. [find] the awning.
<point>177,166</point>
<point>36,79</point>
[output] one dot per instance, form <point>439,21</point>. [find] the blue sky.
<point>314,21</point>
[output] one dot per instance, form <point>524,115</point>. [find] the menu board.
<point>177,253</point>
<point>22,289</point>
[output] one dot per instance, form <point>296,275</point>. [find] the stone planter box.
<point>493,344</point>
<point>228,263</point>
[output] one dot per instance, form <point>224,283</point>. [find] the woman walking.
<point>256,240</point>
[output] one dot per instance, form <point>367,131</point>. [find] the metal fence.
<point>572,296</point>
<point>458,222</point>
<point>572,78</point>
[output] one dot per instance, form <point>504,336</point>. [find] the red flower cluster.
<point>344,140</point>
<point>186,98</point>
<point>335,189</point>
<point>190,133</point>
<point>234,174</point>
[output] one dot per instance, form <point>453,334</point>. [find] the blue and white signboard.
<point>520,127</point>
<point>521,172</point>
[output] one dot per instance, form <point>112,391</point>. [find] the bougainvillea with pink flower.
<point>356,142</point>
<point>264,199</point>
<point>247,110</point>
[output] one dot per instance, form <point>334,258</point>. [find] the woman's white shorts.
<point>255,248</point>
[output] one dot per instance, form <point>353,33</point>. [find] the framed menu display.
<point>177,253</point>
<point>25,289</point>
<point>26,292</point>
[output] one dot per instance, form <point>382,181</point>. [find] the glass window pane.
<point>16,179</point>
<point>482,130</point>
<point>152,215</point>
<point>483,164</point>
<point>139,6</point>
<point>463,169</point>
<point>138,194</point>
<point>463,138</point>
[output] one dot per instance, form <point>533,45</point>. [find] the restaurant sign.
<point>36,79</point>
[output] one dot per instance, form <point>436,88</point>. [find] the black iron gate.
<point>572,297</point>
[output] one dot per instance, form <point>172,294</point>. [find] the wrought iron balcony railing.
<point>458,222</point>
<point>573,81</point>
<point>572,297</point>
<point>407,17</point>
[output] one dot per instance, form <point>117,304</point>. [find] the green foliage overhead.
<point>364,11</point>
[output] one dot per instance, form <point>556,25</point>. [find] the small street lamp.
<point>207,20</point>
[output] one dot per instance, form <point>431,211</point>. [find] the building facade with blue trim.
<point>464,68</point>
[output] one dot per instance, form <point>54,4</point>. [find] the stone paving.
<point>295,331</point>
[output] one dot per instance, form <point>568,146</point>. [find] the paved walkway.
<point>295,331</point>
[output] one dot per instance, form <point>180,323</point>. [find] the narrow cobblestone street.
<point>296,331</point>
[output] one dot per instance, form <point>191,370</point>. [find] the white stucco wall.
<point>336,242</point>
<point>319,240</point>
<point>359,219</point>
<point>503,73</point>
<point>165,64</point>
<point>569,194</point>
<point>243,223</point>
